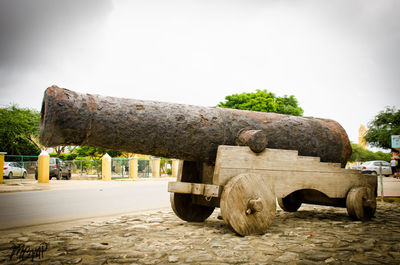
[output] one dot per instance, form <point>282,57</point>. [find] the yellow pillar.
<point>43,167</point>
<point>106,168</point>
<point>133,167</point>
<point>1,166</point>
<point>156,167</point>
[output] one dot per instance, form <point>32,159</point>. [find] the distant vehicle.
<point>58,169</point>
<point>372,167</point>
<point>13,170</point>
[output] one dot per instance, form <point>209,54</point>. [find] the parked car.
<point>13,170</point>
<point>372,167</point>
<point>58,169</point>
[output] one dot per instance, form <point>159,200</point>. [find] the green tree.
<point>264,101</point>
<point>385,124</point>
<point>19,131</point>
<point>95,153</point>
<point>361,155</point>
<point>64,156</point>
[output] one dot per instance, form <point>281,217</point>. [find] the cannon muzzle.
<point>186,132</point>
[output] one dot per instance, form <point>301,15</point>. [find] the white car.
<point>13,170</point>
<point>372,167</point>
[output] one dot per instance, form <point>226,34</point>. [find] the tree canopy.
<point>94,152</point>
<point>361,155</point>
<point>264,101</point>
<point>19,131</point>
<point>380,129</point>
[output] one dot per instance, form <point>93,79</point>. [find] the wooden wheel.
<point>186,210</point>
<point>182,204</point>
<point>289,203</point>
<point>361,203</point>
<point>248,204</point>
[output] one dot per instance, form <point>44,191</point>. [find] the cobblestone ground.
<point>313,235</point>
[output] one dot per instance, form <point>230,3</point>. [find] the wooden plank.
<point>267,154</point>
<point>212,191</point>
<point>180,168</point>
<point>207,190</point>
<point>207,173</point>
<point>180,187</point>
<point>285,173</point>
<point>281,166</point>
<point>309,158</point>
<point>334,165</point>
<point>271,159</point>
<point>197,189</point>
<point>224,153</point>
<point>242,157</point>
<point>285,182</point>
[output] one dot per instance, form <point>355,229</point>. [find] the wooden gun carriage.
<point>240,161</point>
<point>245,185</point>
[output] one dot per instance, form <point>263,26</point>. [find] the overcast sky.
<point>340,59</point>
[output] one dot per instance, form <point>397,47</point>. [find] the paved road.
<point>69,200</point>
<point>38,207</point>
<point>391,187</point>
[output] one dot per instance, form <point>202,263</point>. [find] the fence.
<point>92,168</point>
<point>87,168</point>
<point>23,161</point>
<point>119,168</point>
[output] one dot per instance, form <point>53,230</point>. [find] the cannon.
<point>240,161</point>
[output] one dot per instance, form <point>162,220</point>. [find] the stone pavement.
<point>313,235</point>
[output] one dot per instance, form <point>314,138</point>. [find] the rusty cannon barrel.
<point>186,132</point>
